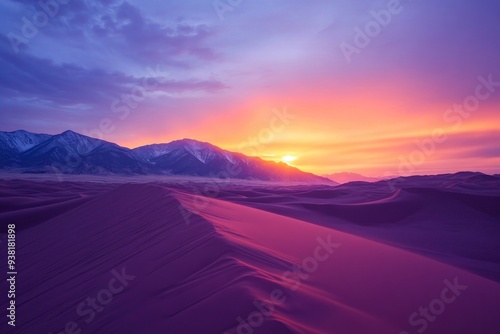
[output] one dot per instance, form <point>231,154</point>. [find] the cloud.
<point>32,77</point>
<point>124,30</point>
<point>280,52</point>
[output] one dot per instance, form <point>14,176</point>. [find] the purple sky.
<point>199,69</point>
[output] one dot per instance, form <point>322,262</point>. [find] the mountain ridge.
<point>346,177</point>
<point>72,153</point>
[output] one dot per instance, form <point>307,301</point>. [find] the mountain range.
<point>346,177</point>
<point>73,153</point>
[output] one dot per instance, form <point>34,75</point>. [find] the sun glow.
<point>288,159</point>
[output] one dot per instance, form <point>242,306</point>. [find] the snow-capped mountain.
<point>73,153</point>
<point>20,140</point>
<point>204,152</point>
<point>76,142</point>
<point>72,143</point>
<point>191,157</point>
<point>13,143</point>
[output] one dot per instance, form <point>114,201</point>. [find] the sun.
<point>288,159</point>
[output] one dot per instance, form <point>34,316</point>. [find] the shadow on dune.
<point>390,210</point>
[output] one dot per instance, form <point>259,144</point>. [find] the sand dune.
<point>455,219</point>
<point>156,258</point>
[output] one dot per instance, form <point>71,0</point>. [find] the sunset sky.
<point>267,78</point>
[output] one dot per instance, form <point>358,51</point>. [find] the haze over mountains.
<point>346,177</point>
<point>73,153</point>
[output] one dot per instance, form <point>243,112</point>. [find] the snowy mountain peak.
<point>73,153</point>
<point>20,140</point>
<point>72,143</point>
<point>192,144</point>
<point>69,133</point>
<point>200,150</point>
<point>76,142</point>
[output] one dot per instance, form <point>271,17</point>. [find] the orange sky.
<point>220,80</point>
<point>376,135</point>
